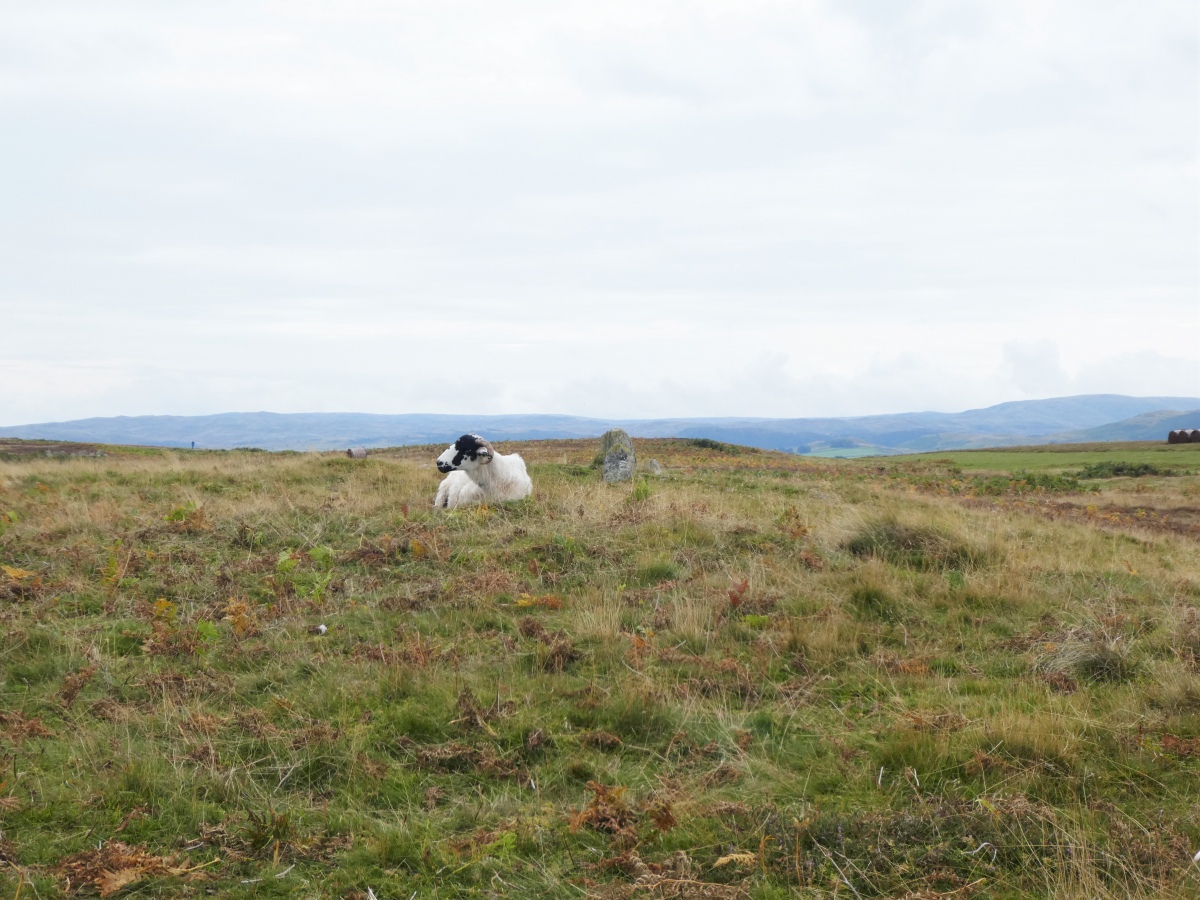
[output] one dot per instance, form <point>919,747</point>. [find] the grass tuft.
<point>914,546</point>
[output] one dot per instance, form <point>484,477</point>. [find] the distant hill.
<point>1154,426</point>
<point>1059,419</point>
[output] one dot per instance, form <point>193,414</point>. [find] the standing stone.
<point>617,450</point>
<point>357,453</point>
<point>653,467</point>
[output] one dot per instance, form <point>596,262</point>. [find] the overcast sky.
<point>622,209</point>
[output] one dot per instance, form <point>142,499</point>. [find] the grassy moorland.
<point>1172,458</point>
<point>751,676</point>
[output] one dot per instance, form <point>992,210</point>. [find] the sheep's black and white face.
<point>468,452</point>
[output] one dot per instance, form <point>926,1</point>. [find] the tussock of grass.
<point>1093,658</point>
<point>873,603</point>
<point>914,546</point>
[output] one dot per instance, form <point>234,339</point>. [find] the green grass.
<point>755,675</point>
<point>1065,457</point>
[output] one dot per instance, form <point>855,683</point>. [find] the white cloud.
<point>1143,372</point>
<point>1035,368</point>
<point>769,208</point>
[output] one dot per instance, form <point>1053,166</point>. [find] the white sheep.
<point>476,473</point>
<point>457,489</point>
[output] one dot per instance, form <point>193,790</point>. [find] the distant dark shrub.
<point>710,444</point>
<point>1028,483</point>
<point>1109,469</point>
<point>915,547</point>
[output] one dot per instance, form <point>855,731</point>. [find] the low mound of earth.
<point>751,675</point>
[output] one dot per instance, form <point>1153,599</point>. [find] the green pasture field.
<point>754,676</point>
<point>1065,457</point>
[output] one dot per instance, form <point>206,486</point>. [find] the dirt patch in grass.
<point>1180,520</point>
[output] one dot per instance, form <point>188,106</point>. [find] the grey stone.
<point>653,467</point>
<point>619,460</point>
<point>612,438</point>
<point>619,465</point>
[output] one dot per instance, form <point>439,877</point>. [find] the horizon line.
<point>599,418</point>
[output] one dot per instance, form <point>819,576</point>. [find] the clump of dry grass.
<point>1093,652</point>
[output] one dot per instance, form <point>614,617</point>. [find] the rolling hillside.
<point>1153,426</point>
